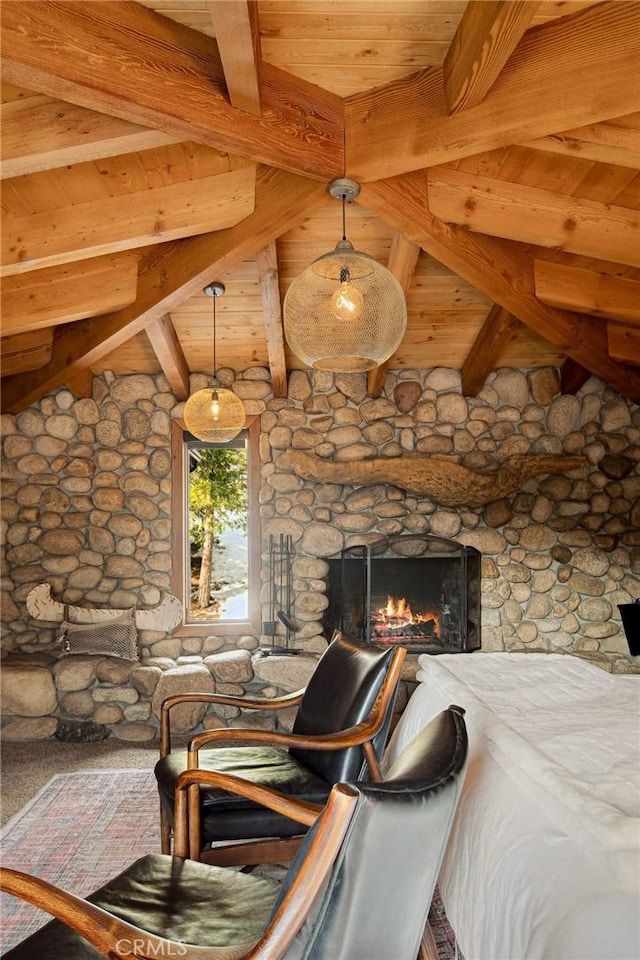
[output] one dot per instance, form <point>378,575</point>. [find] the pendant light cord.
<point>214,335</point>
<point>344,216</point>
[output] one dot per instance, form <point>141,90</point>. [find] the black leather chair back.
<point>341,693</point>
<point>376,902</point>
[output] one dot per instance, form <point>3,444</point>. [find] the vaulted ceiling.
<point>150,148</point>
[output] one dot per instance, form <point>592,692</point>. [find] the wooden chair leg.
<point>165,831</point>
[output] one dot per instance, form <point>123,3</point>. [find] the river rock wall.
<point>86,506</point>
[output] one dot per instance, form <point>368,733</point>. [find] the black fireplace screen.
<point>422,592</point>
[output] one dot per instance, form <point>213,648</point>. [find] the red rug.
<point>83,828</point>
<point>80,830</point>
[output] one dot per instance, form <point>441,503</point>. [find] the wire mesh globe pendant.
<point>214,414</point>
<point>346,312</point>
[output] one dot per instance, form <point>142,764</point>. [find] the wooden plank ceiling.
<point>150,148</point>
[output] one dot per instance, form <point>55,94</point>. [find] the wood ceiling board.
<point>115,176</point>
<point>502,269</point>
<point>517,212</point>
<point>572,176</point>
<point>40,133</point>
<point>587,291</point>
<point>362,65</point>
<point>528,350</point>
<point>169,79</point>
<point>57,295</point>
<point>554,9</point>
<point>136,355</point>
<point>25,351</point>
<point>405,126</point>
<point>593,179</point>
<point>614,141</point>
<point>624,343</point>
<point>119,223</point>
<point>191,13</point>
<point>169,274</point>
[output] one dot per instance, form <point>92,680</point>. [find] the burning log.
<point>443,481</point>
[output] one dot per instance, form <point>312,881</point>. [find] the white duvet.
<point>544,859</point>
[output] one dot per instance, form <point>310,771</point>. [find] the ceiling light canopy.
<point>346,312</point>
<point>214,414</point>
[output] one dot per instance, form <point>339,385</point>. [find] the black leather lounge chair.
<point>359,888</point>
<point>339,733</point>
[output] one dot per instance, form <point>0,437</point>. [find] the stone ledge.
<point>45,696</point>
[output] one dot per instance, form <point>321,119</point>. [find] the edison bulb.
<point>215,406</point>
<point>347,302</point>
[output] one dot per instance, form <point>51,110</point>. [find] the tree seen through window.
<point>218,524</point>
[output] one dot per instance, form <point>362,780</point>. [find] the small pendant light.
<point>214,414</point>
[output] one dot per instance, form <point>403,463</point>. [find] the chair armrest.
<point>101,928</point>
<point>303,811</point>
<point>361,733</point>
<point>231,700</point>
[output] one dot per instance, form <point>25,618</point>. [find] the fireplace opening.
<point>422,592</point>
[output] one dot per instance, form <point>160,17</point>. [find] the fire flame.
<point>396,614</point>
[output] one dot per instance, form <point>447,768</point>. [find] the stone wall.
<point>86,506</point>
<point>558,557</point>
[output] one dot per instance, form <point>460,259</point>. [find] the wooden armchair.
<point>359,888</point>
<point>339,733</point>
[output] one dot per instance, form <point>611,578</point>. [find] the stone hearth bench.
<point>81,698</point>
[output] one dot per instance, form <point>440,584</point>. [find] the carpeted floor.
<point>81,828</point>
<point>26,767</point>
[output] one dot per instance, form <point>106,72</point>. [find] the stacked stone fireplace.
<point>420,592</point>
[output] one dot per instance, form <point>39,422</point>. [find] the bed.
<point>544,857</point>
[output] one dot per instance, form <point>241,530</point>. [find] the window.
<point>216,532</point>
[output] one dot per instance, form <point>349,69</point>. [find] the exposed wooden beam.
<point>614,141</point>
<point>81,383</point>
<point>487,35</point>
<point>170,273</point>
<point>403,257</point>
<point>498,328</point>
<point>624,342</point>
<point>25,351</point>
<point>573,376</point>
<point>586,291</point>
<point>267,259</point>
<point>85,230</point>
<point>501,269</point>
<point>544,87</point>
<point>238,36</point>
<point>57,295</point>
<point>530,215</point>
<point>39,133</point>
<point>164,340</point>
<point>169,78</point>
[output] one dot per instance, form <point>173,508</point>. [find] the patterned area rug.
<point>80,830</point>
<point>85,827</point>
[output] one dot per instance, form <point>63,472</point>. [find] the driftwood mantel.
<point>442,481</point>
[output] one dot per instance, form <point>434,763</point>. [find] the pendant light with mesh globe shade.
<point>214,414</point>
<point>346,312</point>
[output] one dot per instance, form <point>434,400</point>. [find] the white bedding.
<point>544,858</point>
